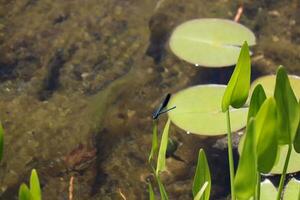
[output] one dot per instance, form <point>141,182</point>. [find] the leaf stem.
<point>299,194</point>
<point>258,186</point>
<point>230,155</point>
<point>283,175</point>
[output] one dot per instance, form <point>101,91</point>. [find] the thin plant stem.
<point>258,186</point>
<point>283,175</point>
<point>299,194</point>
<point>230,156</point>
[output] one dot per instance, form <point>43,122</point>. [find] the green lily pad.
<point>210,42</point>
<point>293,164</point>
<point>268,83</point>
<point>198,111</point>
<point>292,190</point>
<point>267,191</point>
<point>281,155</point>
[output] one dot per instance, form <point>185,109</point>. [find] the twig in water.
<point>71,188</point>
<point>238,14</point>
<point>122,195</point>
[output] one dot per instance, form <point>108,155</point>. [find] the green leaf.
<point>162,190</point>
<point>161,160</point>
<point>237,90</point>
<point>201,191</point>
<point>210,42</point>
<point>202,176</point>
<point>1,141</point>
<point>151,192</point>
<point>198,111</point>
<point>292,190</point>
<point>35,188</point>
<point>288,108</point>
<point>246,175</point>
<point>297,137</point>
<point>257,99</point>
<point>154,147</point>
<point>266,135</point>
<point>24,192</point>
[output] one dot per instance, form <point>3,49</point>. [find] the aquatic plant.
<point>272,118</point>
<point>202,179</point>
<point>210,42</point>
<point>34,191</point>
<point>236,95</point>
<point>268,119</point>
<point>270,142</point>
<point>161,157</point>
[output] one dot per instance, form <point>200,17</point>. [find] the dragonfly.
<point>162,107</point>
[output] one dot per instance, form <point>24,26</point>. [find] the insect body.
<point>162,107</point>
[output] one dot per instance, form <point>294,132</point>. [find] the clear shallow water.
<point>79,81</point>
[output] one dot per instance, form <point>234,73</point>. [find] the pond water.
<point>79,81</point>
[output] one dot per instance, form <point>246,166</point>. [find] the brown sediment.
<point>91,72</point>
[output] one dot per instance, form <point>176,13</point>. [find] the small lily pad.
<point>281,155</point>
<point>210,42</point>
<point>268,83</point>
<point>267,191</point>
<point>198,111</point>
<point>293,164</point>
<point>292,190</point>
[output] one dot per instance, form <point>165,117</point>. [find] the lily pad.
<point>267,190</point>
<point>268,83</point>
<point>293,164</point>
<point>210,42</point>
<point>281,155</point>
<point>292,190</point>
<point>198,111</point>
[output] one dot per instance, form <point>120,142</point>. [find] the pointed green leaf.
<point>257,99</point>
<point>201,191</point>
<point>238,87</point>
<point>288,108</point>
<point>24,192</point>
<point>292,190</point>
<point>245,178</point>
<point>161,160</point>
<point>151,192</point>
<point>202,176</point>
<point>35,188</point>
<point>266,135</point>
<point>154,147</point>
<point>1,141</point>
<point>297,137</point>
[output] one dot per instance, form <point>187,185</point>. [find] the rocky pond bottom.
<point>79,81</point>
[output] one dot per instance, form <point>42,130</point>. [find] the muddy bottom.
<point>79,81</point>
